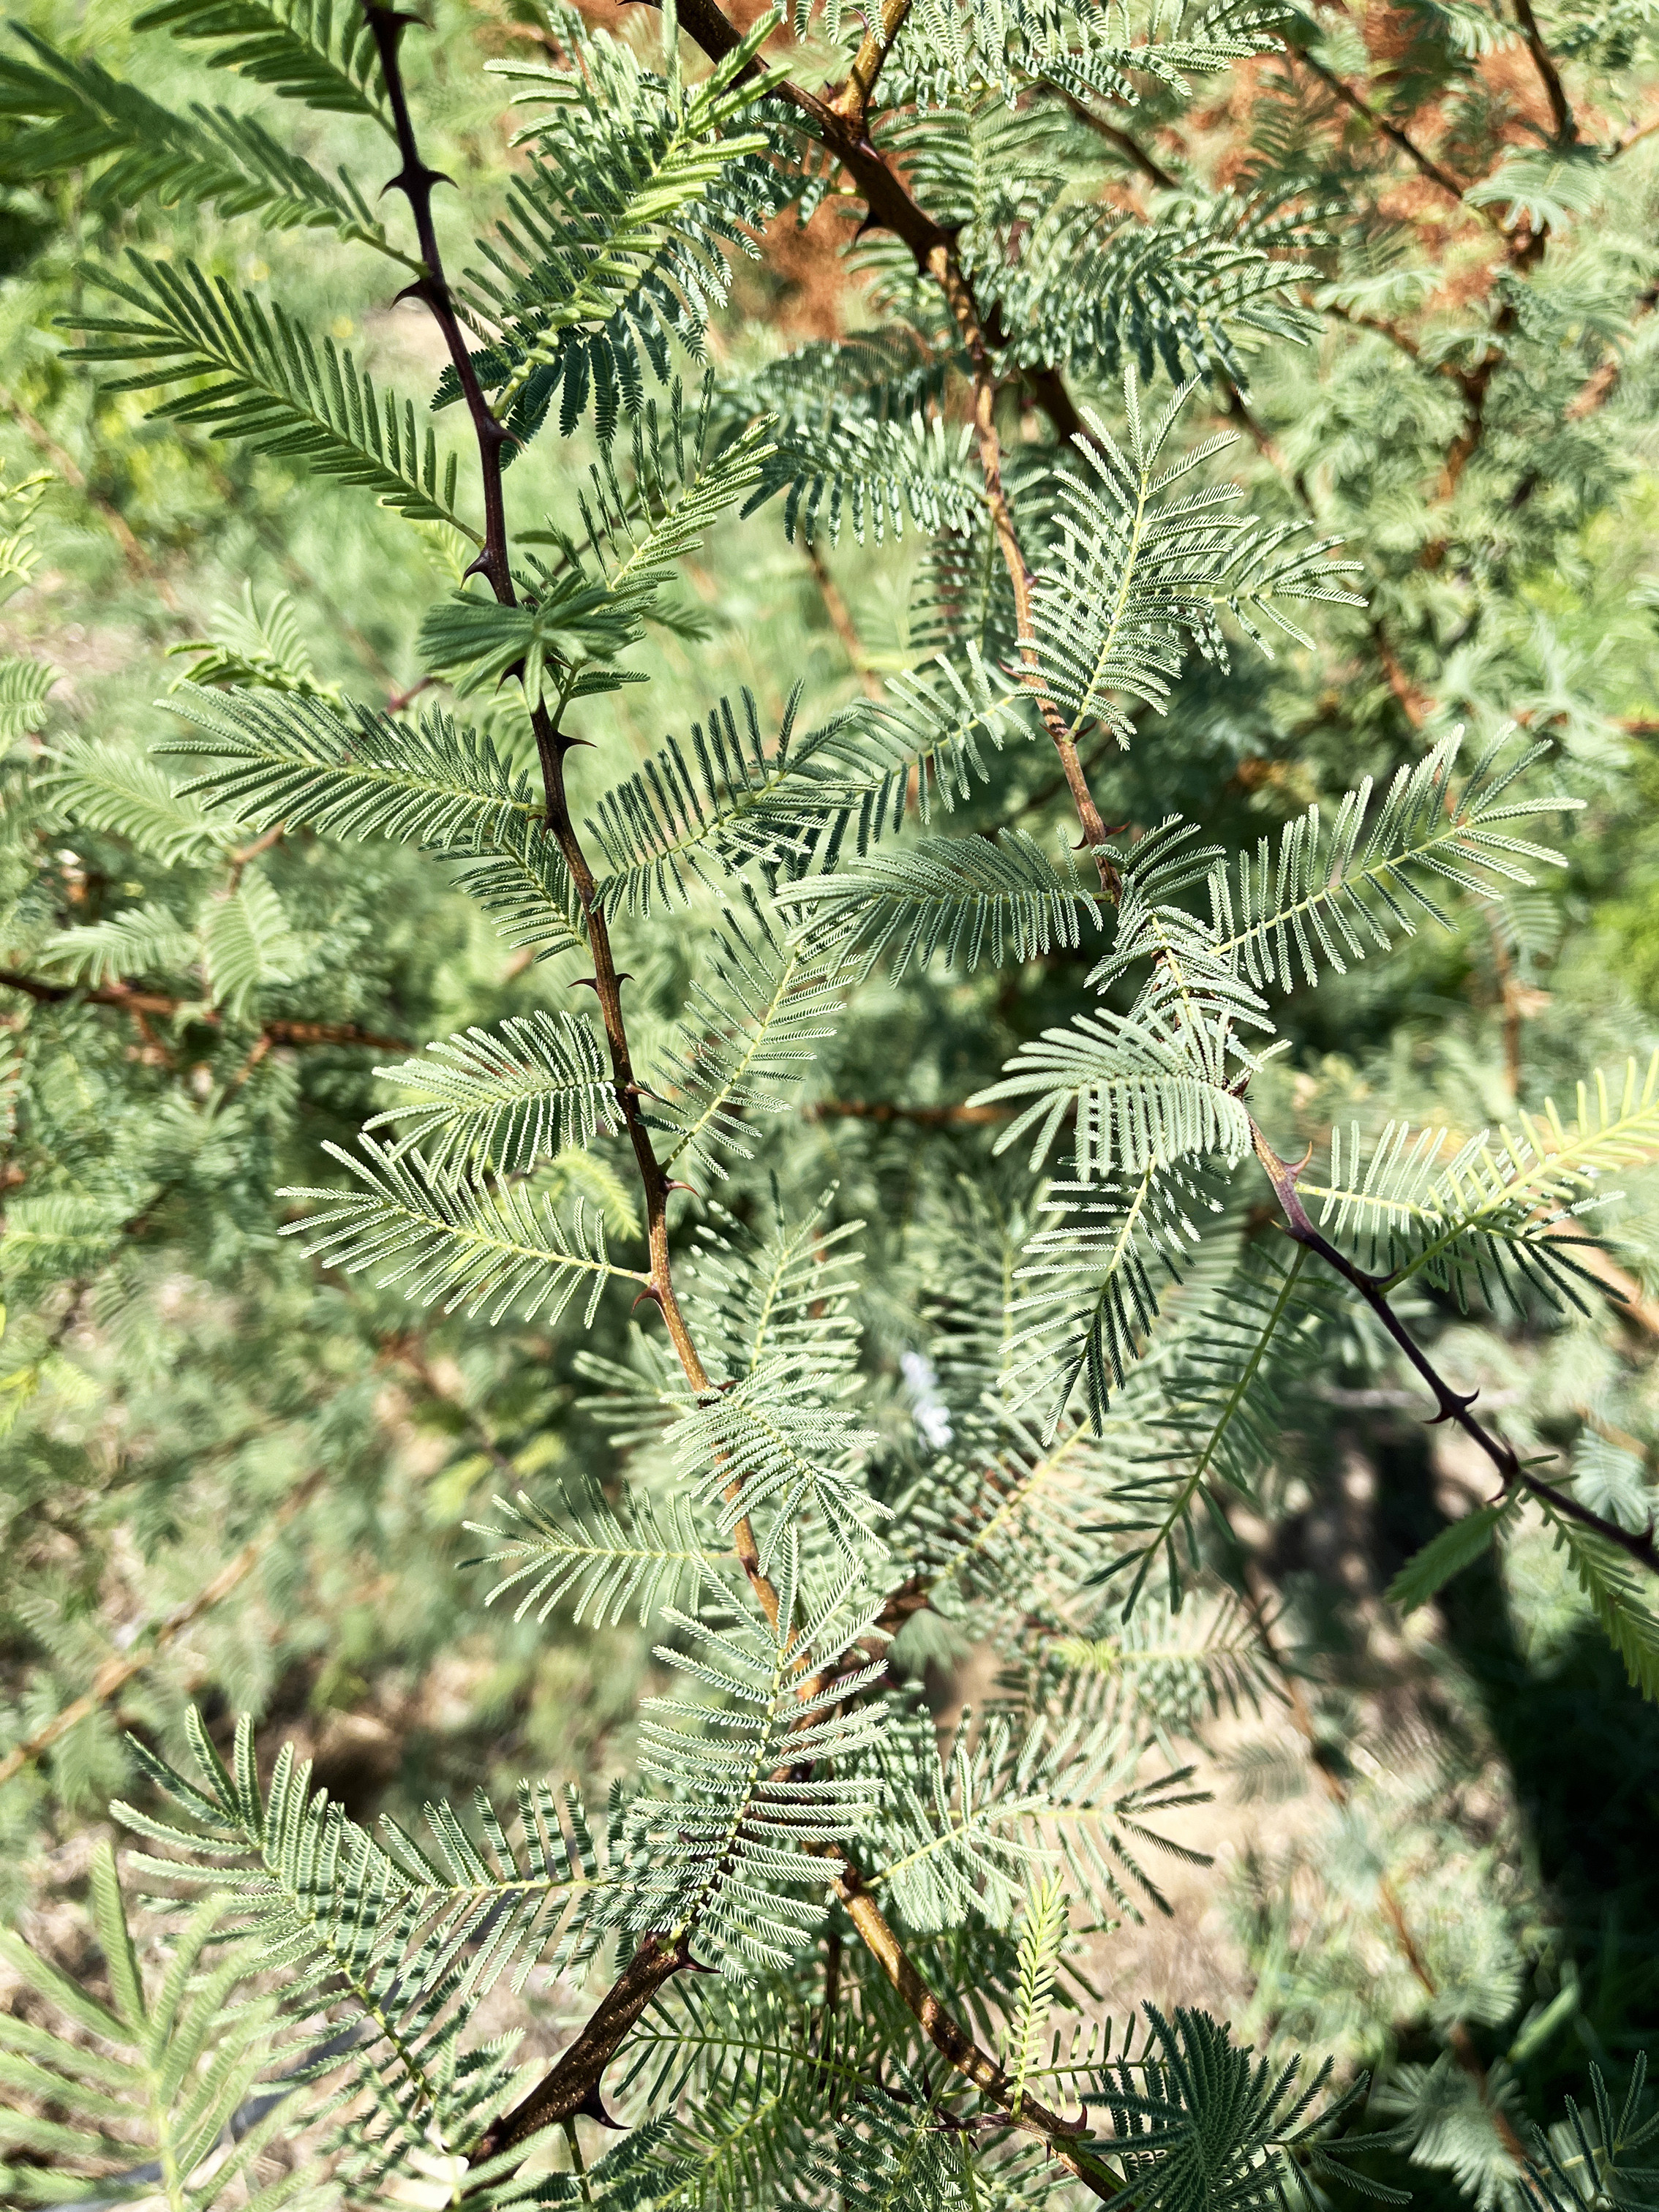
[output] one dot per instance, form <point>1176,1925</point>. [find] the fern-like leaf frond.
<point>727,796</point>
<point>678,489</point>
<point>391,1949</point>
<point>773,1443</point>
<point>969,1826</point>
<point>145,940</point>
<point>1222,1417</point>
<point>752,1026</point>
<point>1005,900</point>
<point>250,373</point>
<point>1206,2124</point>
<point>1102,1269</point>
<point>1501,1213</point>
<point>1141,1089</point>
<point>525,885</point>
<point>318,51</point>
<point>1141,573</point>
<point>874,474</point>
<point>503,1100</point>
<point>168,2069</point>
<point>257,645</point>
<point>295,759</point>
<point>1042,1939</point>
<point>69,112</point>
<point>1327,897</point>
<point>1591,2159</point>
<point>1618,1597</point>
<point>590,1560</point>
<point>457,1235</point>
<point>621,231</point>
<point>25,687</point>
<point>738,1832</point>
<point>105,785</point>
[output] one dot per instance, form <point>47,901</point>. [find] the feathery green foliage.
<point>176,2062</point>
<point>1033,1250</point>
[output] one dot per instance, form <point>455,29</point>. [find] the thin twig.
<point>1121,143</point>
<point>1425,162</point>
<point>574,2084</point>
<point>243,854</point>
<point>946,269</point>
<point>1456,1407</point>
<point>115,1673</point>
<point>1066,2138</point>
<point>852,102</point>
<point>130,999</point>
<point>1543,61</point>
<point>65,465</point>
<point>841,620</point>
<point>925,1117</point>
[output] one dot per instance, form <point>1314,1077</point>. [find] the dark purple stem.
<point>415,181</point>
<point>1454,1406</point>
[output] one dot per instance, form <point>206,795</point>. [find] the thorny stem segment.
<point>415,180</point>
<point>572,2086</point>
<point>1454,1406</point>
<point>1065,2138</point>
<point>155,1636</point>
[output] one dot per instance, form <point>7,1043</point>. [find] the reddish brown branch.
<point>128,999</point>
<point>1066,2138</point>
<point>574,2087</point>
<point>885,1110</point>
<point>852,102</point>
<point>841,620</point>
<point>1121,143</point>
